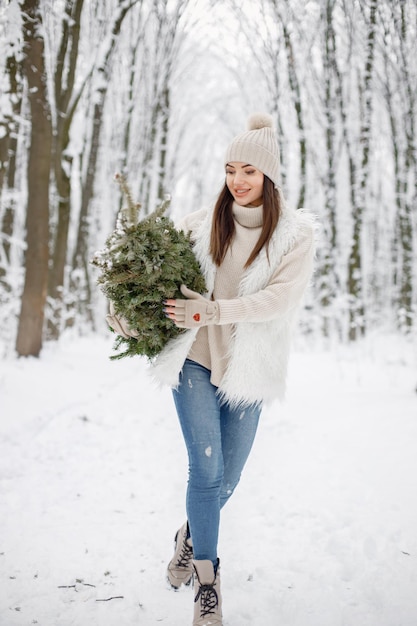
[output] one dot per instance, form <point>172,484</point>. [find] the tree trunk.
<point>327,273</point>
<point>405,176</point>
<point>296,96</point>
<point>29,336</point>
<point>8,149</point>
<point>65,109</point>
<point>358,190</point>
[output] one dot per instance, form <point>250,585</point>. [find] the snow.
<point>320,532</point>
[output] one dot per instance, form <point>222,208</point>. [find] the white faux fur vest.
<point>259,352</point>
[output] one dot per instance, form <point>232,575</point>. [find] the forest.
<point>156,89</point>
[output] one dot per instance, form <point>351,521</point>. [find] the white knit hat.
<point>258,146</point>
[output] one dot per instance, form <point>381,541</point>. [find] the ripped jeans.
<point>218,440</point>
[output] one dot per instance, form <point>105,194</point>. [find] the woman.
<point>257,257</point>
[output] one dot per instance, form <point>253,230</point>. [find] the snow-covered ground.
<point>322,530</point>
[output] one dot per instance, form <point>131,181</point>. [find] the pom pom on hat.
<point>260,120</point>
<point>258,146</point>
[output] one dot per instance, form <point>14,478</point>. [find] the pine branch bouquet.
<point>144,263</point>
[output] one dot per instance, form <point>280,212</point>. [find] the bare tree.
<point>66,99</point>
<point>399,84</point>
<point>286,19</point>
<point>29,336</point>
<point>328,282</point>
<point>9,132</point>
<point>359,167</point>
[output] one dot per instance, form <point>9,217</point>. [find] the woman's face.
<point>245,183</point>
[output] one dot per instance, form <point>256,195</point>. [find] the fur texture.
<point>260,120</point>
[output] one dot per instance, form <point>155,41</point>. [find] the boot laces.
<point>209,599</point>
<point>185,555</point>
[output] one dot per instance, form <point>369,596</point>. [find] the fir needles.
<point>144,263</point>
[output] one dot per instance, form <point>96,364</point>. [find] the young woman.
<point>257,257</point>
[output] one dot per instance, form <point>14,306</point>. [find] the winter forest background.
<point>156,89</point>
<point>92,464</point>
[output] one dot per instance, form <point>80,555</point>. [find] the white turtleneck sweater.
<point>212,343</point>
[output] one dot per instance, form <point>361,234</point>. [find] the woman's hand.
<point>119,324</point>
<point>191,313</point>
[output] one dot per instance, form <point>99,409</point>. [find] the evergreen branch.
<point>132,212</point>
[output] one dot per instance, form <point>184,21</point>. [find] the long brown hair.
<point>223,226</point>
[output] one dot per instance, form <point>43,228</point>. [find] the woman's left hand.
<point>192,313</point>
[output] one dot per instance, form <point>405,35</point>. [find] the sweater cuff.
<point>226,312</point>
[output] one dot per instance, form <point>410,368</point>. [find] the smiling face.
<point>245,183</point>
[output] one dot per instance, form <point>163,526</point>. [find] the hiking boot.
<point>207,600</point>
<point>180,568</point>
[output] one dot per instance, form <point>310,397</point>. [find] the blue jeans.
<point>218,440</point>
